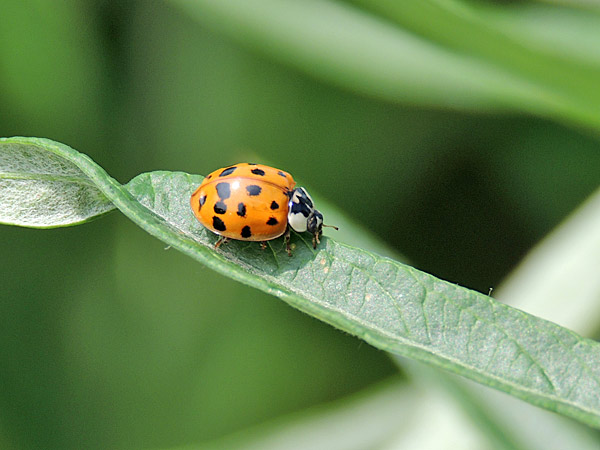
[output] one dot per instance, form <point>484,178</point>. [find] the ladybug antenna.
<point>331,226</point>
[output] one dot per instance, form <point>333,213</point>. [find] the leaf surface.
<point>41,189</point>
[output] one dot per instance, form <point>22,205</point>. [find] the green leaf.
<point>41,189</point>
<point>388,304</point>
<point>439,53</point>
<point>570,80</point>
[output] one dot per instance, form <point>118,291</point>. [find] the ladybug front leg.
<point>315,239</point>
<point>287,238</point>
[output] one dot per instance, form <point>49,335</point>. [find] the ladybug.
<point>252,202</point>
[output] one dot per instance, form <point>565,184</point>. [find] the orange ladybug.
<point>253,202</point>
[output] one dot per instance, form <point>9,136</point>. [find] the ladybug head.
<point>303,216</point>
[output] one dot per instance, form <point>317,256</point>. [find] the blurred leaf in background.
<point>458,132</point>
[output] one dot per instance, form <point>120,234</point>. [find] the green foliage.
<point>390,305</point>
<point>488,65</point>
<point>459,133</point>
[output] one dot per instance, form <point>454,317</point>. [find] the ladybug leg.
<point>316,240</point>
<point>222,240</point>
<point>263,245</point>
<point>286,238</point>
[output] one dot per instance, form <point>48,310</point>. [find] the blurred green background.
<point>109,340</point>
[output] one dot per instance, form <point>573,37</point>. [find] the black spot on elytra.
<point>223,190</point>
<point>274,205</point>
<point>218,224</point>
<point>227,171</point>
<point>241,210</point>
<point>201,201</point>
<point>280,173</point>
<point>258,172</point>
<point>220,207</point>
<point>272,221</point>
<point>246,232</point>
<point>209,177</point>
<point>253,190</point>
